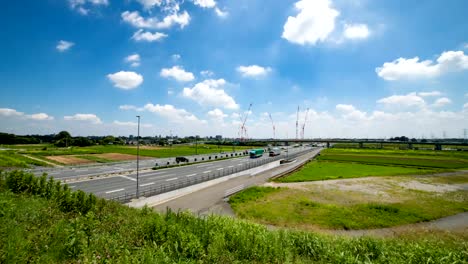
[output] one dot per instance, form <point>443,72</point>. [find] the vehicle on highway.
<point>181,159</point>
<point>274,152</point>
<point>255,153</point>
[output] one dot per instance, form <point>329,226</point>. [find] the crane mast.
<point>243,128</point>
<point>303,125</point>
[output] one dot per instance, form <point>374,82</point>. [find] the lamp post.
<point>138,158</point>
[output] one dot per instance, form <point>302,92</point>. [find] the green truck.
<point>255,153</point>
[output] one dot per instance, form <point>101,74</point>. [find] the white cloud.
<point>83,6</point>
<point>64,45</point>
<point>142,35</point>
<point>10,112</point>
<point>130,124</point>
<point>207,73</point>
<point>345,108</point>
<point>217,115</point>
<point>176,57</point>
<point>205,3</point>
<point>177,73</point>
<point>40,116</point>
<point>253,71</point>
<point>356,31</point>
<point>465,106</point>
<point>130,107</point>
<point>84,117</point>
<point>171,113</point>
<point>125,79</point>
<point>133,59</point>
<point>221,13</point>
<point>148,4</point>
<point>314,22</point>
<point>403,101</point>
<point>428,94</point>
<point>441,102</point>
<point>449,61</point>
<point>210,93</point>
<point>134,19</point>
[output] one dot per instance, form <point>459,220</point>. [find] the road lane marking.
<point>207,171</point>
<point>146,184</point>
<point>172,179</point>
<point>190,175</point>
<point>113,191</point>
<point>239,164</point>
<point>128,178</point>
<point>220,169</point>
<point>231,166</point>
<point>201,166</point>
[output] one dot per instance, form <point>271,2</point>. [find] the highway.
<point>163,180</point>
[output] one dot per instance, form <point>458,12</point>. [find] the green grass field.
<point>9,159</point>
<point>36,229</point>
<point>327,170</point>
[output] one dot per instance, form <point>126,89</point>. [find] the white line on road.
<point>220,169</point>
<point>230,166</point>
<point>190,175</point>
<point>172,179</point>
<point>113,191</point>
<point>201,166</point>
<point>239,164</point>
<point>128,178</point>
<point>146,184</point>
<point>206,171</point>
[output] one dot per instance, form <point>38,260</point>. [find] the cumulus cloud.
<point>430,94</point>
<point>8,112</point>
<point>148,4</point>
<point>402,68</point>
<point>171,113</point>
<point>177,73</point>
<point>125,79</point>
<point>356,31</point>
<point>84,117</point>
<point>176,57</point>
<point>130,124</point>
<point>206,73</point>
<point>213,5</point>
<point>147,36</point>
<point>253,71</point>
<point>314,22</point>
<point>130,107</point>
<point>64,45</point>
<point>217,114</point>
<point>40,116</point>
<point>210,93</point>
<point>442,102</point>
<point>133,59</point>
<point>403,101</point>
<point>135,19</point>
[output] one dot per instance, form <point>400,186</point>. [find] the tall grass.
<point>35,229</point>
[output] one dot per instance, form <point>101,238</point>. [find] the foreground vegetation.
<point>37,227</point>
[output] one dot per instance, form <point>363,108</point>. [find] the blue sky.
<point>363,68</point>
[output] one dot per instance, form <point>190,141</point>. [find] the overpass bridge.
<point>361,142</point>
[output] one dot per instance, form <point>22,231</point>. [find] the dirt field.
<point>69,160</point>
<point>117,156</point>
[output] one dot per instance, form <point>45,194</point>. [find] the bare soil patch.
<point>69,160</point>
<point>117,156</point>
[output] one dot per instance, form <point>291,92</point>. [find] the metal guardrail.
<point>169,186</point>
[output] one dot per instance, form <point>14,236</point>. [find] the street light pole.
<point>138,158</point>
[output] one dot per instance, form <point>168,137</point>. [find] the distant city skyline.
<point>364,69</point>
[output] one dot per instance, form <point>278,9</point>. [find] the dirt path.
<point>45,161</point>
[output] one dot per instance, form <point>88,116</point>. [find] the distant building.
<point>218,137</point>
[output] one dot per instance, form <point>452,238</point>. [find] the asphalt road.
<point>164,180</point>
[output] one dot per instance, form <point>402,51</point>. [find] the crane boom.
<point>303,125</point>
<point>297,122</point>
<point>243,128</point>
<point>272,124</point>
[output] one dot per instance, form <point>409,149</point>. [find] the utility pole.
<point>196,145</point>
<point>138,158</point>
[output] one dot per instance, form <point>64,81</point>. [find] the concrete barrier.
<point>165,197</point>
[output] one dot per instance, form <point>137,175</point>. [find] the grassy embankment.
<point>335,208</point>
<point>10,159</point>
<point>40,224</point>
<point>41,151</point>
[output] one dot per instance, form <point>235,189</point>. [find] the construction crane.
<point>272,124</point>
<point>297,123</point>
<point>243,128</point>
<point>303,125</point>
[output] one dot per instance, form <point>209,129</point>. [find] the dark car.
<point>181,159</point>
